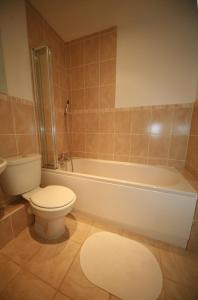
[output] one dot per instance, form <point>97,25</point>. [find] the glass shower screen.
<point>43,91</point>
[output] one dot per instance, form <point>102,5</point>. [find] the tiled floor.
<point>31,269</point>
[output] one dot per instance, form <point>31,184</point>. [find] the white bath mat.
<point>123,267</point>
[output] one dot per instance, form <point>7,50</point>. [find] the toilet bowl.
<point>50,204</point>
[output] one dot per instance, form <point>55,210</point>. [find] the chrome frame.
<point>40,110</point>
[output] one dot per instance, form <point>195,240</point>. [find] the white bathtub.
<point>155,201</point>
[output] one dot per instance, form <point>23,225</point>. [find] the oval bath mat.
<point>122,267</point>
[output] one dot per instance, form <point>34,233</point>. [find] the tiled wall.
<point>13,220</point>
<point>17,126</point>
<point>17,130</point>
<point>154,135</point>
<point>84,71</point>
<point>40,33</point>
<point>192,155</point>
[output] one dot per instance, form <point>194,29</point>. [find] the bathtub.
<point>154,201</point>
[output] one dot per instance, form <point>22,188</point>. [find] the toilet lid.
<point>53,196</point>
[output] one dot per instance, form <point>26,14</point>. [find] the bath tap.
<point>63,157</point>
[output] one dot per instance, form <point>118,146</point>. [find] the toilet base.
<point>49,229</point>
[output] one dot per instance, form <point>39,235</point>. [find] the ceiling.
<point>75,18</point>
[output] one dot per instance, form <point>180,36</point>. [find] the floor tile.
<point>180,266</point>
<point>8,270</point>
<point>60,296</point>
<point>22,248</point>
<point>52,261</point>
<point>176,291</point>
<point>77,231</point>
<point>76,286</point>
<point>25,286</point>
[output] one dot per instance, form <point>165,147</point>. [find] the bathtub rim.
<point>191,193</point>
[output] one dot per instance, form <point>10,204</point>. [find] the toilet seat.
<point>52,197</point>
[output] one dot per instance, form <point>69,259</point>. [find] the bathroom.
<point>104,96</point>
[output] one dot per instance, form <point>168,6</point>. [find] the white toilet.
<point>49,204</point>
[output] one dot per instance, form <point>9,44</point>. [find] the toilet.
<point>50,204</point>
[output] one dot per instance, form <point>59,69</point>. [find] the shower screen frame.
<point>36,72</point>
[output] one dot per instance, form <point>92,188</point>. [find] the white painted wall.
<point>157,56</point>
<point>15,48</point>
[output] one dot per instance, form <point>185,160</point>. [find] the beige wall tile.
<point>77,99</point>
<point>58,100</point>
<point>76,53</point>
<point>194,125</point>
<point>107,96</point>
<point>192,151</point>
<point>106,122</point>
<point>91,50</point>
<point>193,241</point>
<point>162,120</point>
<point>122,144</point>
<point>92,75</point>
<point>182,120</point>
<point>106,143</point>
<point>141,120</point>
<point>124,158</point>
<point>23,118</point>
<point>104,156</point>
<point>78,122</point>
<point>77,78</point>
<point>20,220</point>
<point>122,121</point>
<point>139,145</point>
<point>157,161</point>
<point>178,147</point>
<point>138,160</point>
<point>91,143</point>
<point>92,98</point>
<point>60,122</point>
<point>8,145</point>
<point>78,142</point>
<point>178,164</point>
<point>108,45</point>
<point>159,146</point>
<point>26,143</point>
<point>107,72</point>
<point>67,55</point>
<point>91,122</point>
<point>6,118</point>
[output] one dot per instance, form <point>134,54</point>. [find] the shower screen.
<point>43,91</point>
